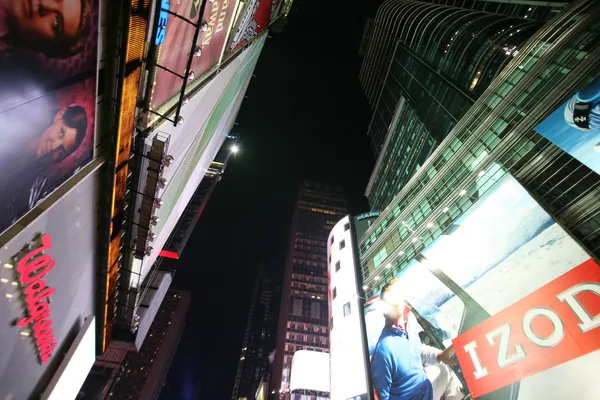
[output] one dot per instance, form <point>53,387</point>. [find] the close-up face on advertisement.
<point>48,68</point>
<point>514,296</point>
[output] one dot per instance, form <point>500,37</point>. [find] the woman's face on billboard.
<point>58,139</point>
<point>46,23</point>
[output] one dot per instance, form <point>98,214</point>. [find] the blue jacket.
<point>397,369</point>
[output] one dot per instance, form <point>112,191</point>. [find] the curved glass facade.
<point>495,136</point>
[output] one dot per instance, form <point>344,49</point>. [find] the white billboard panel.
<point>310,371</point>
<point>75,366</point>
<point>347,345</point>
<point>208,119</point>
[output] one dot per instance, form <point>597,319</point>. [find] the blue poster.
<point>575,126</point>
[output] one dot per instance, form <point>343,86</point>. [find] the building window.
<point>332,238</point>
<point>334,293</point>
<point>342,244</point>
<point>337,266</point>
<point>331,324</point>
<point>347,226</point>
<point>347,309</point>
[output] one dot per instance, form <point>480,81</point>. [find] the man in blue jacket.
<point>398,358</point>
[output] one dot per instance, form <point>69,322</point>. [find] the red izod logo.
<point>31,270</point>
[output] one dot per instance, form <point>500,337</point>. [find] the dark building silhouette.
<point>304,312</point>
<point>259,337</point>
<point>143,373</point>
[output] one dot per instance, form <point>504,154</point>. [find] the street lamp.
<point>235,149</point>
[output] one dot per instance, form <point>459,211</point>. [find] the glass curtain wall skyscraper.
<point>493,136</point>
<point>304,312</point>
<point>425,67</point>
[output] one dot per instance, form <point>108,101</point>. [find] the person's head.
<point>56,28</point>
<point>393,298</point>
<point>64,135</point>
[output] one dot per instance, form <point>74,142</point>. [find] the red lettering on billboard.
<point>31,269</point>
<point>555,324</point>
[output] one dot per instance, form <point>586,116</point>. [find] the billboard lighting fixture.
<point>4,280</point>
<point>162,182</point>
<point>151,235</point>
<point>9,266</point>
<point>197,51</point>
<point>203,26</point>
<point>154,220</point>
<point>191,76</point>
<point>186,100</point>
<point>149,250</point>
<point>158,203</point>
<point>180,120</point>
<point>168,161</point>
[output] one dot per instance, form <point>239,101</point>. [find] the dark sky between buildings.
<point>305,116</point>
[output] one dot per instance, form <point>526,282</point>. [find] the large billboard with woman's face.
<point>506,290</point>
<point>575,126</point>
<point>48,67</point>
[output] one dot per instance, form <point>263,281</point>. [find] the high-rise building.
<point>254,366</point>
<point>143,373</point>
<point>507,194</point>
<point>425,66</point>
<point>303,316</point>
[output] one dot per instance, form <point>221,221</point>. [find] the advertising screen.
<point>174,40</point>
<point>575,126</point>
<point>347,350</point>
<point>255,19</point>
<point>47,296</point>
<point>509,292</point>
<point>48,59</point>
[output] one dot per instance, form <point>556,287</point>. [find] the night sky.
<point>305,117</point>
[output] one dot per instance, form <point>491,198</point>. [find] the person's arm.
<point>429,355</point>
<point>382,374</point>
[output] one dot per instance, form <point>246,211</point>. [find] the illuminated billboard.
<point>174,38</point>
<point>347,344</point>
<point>48,73</point>
<point>255,19</point>
<point>508,291</point>
<point>47,294</point>
<point>209,117</point>
<point>575,126</point>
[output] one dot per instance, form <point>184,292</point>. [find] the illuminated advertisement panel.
<point>174,38</point>
<point>255,19</point>
<point>575,126</point>
<point>347,350</point>
<point>505,289</point>
<point>48,62</point>
<point>47,291</point>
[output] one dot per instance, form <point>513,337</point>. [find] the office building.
<point>425,66</point>
<point>254,367</point>
<point>507,196</point>
<point>144,372</point>
<point>303,316</point>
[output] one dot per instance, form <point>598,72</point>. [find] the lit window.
<point>342,244</point>
<point>337,266</point>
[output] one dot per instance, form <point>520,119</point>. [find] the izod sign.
<point>555,324</point>
<point>31,269</point>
